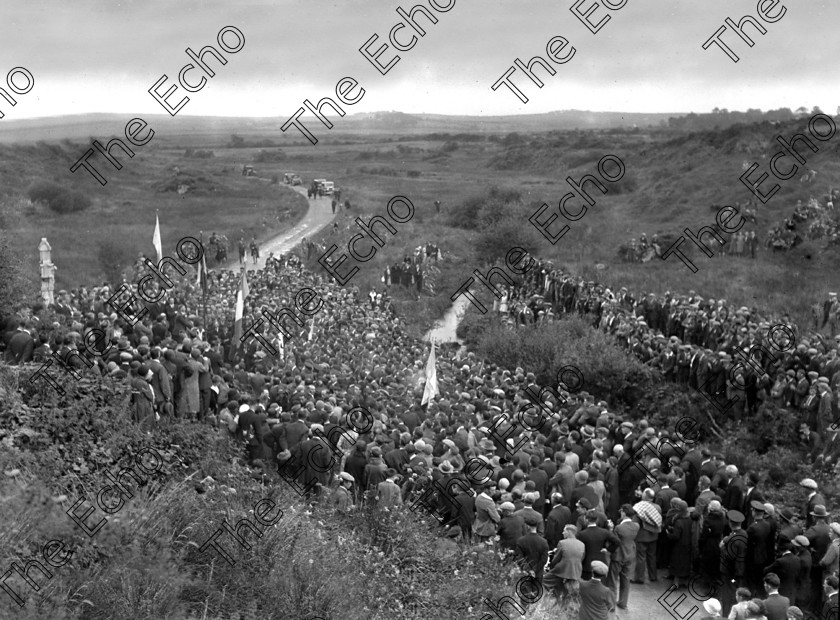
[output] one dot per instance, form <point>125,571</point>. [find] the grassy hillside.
<point>119,224</point>
<point>673,178</point>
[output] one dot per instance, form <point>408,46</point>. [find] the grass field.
<point>672,180</point>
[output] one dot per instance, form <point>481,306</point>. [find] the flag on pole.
<point>431,389</point>
<point>202,273</point>
<point>311,330</point>
<point>156,239</point>
<point>240,311</point>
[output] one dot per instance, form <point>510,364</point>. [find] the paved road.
<point>317,217</point>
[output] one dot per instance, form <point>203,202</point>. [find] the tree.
<point>237,141</point>
<point>816,110</point>
<point>801,110</point>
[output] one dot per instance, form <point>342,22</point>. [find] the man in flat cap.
<point>343,496</point>
<point>597,602</point>
<point>532,549</point>
<point>733,555</point>
<point>813,499</point>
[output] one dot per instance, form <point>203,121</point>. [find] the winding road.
<point>317,217</point>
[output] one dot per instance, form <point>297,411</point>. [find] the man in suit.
<point>596,540</point>
<point>775,604</point>
<point>511,527</point>
<point>819,537</point>
<point>753,494</point>
<point>624,555</point>
<point>559,517</point>
<point>528,511</point>
<point>597,601</point>
<point>21,346</point>
<point>486,516</point>
<point>161,384</point>
<point>733,497</point>
<point>733,555</point>
<point>142,398</point>
<point>532,549</point>
<point>758,535</point>
<point>787,567</point>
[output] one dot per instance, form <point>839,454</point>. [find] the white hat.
<point>808,483</point>
<point>244,408</point>
<point>712,606</point>
<point>345,477</point>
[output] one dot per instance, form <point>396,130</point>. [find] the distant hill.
<point>180,128</point>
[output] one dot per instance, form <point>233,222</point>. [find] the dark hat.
<point>786,514</point>
<point>757,506</point>
<point>531,519</point>
<point>736,516</point>
<point>819,511</point>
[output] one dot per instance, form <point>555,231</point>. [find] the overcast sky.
<point>104,55</point>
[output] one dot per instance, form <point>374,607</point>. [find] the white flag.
<point>431,389</point>
<point>156,240</point>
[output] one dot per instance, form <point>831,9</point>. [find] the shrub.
<point>607,369</point>
<point>59,199</point>
<point>270,156</point>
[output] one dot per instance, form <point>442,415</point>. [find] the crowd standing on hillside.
<point>586,481</point>
<point>696,341</point>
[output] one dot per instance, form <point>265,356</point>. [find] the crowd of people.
<point>696,342</point>
<point>812,220</point>
<point>414,271</point>
<point>588,480</point>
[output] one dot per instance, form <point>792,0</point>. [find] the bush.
<point>270,156</point>
<point>608,370</point>
<point>59,199</point>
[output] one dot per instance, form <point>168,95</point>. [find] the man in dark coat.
<point>532,549</point>
<point>624,556</point>
<point>595,539</point>
<point>21,347</point>
<point>733,555</point>
<point>355,465</point>
<point>787,567</point>
<point>775,604</point>
<point>297,432</point>
<point>559,517</point>
<point>758,535</point>
<point>511,527</point>
<point>733,497</point>
<point>597,601</point>
<point>142,398</point>
<point>161,384</point>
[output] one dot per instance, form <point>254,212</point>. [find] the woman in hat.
<point>712,607</point>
